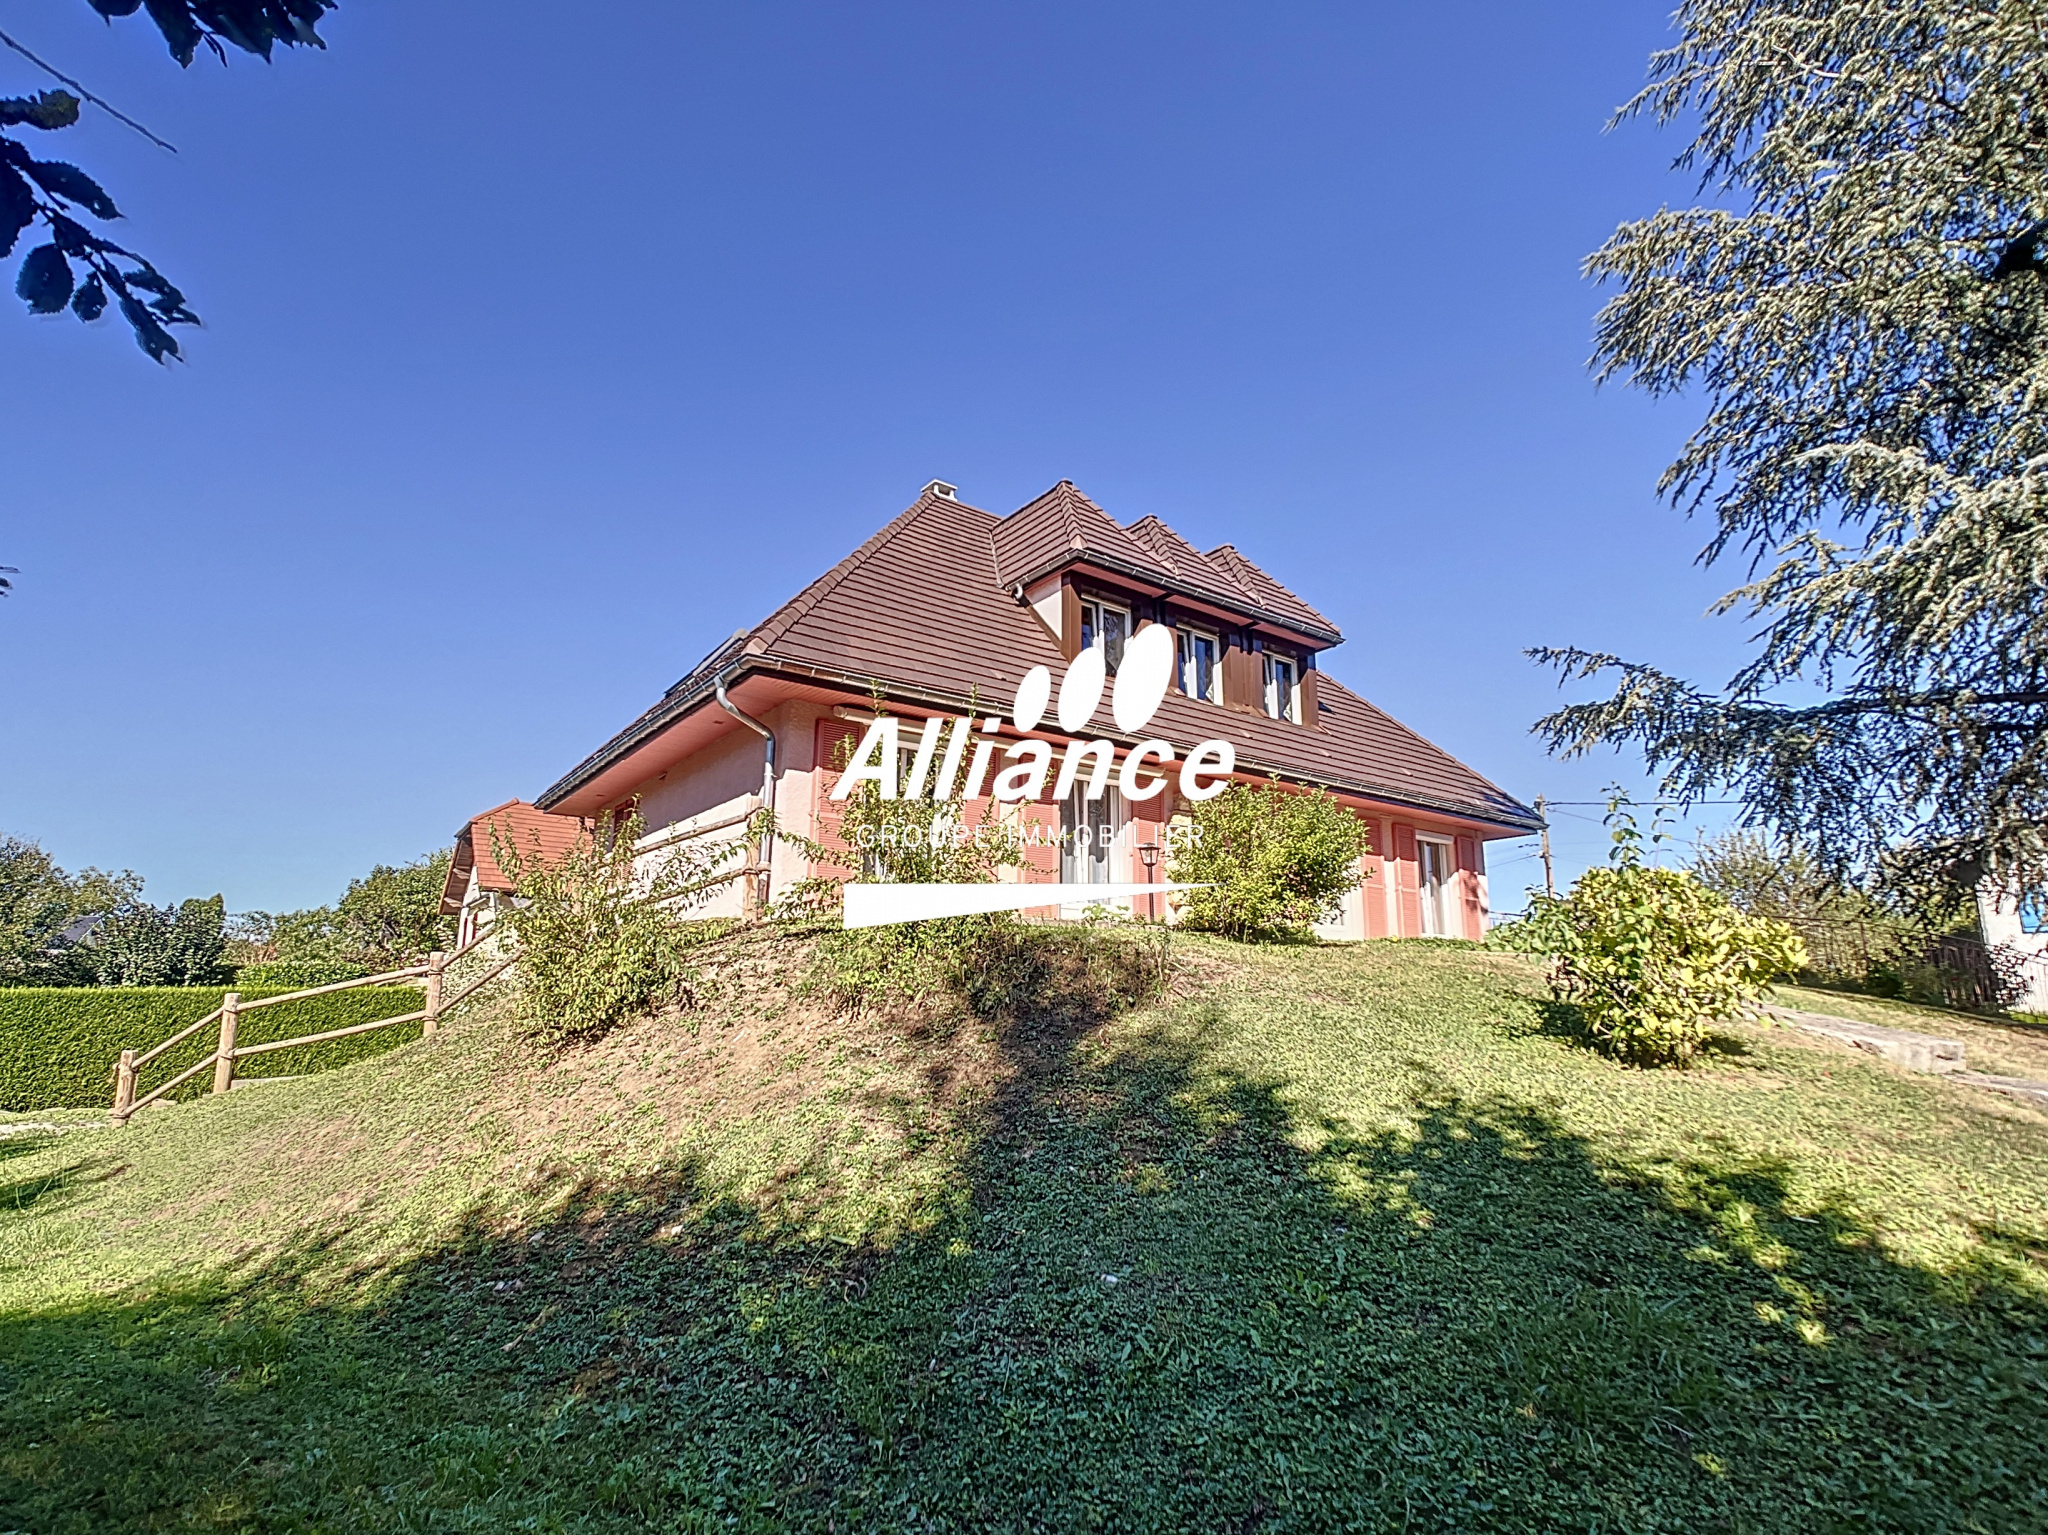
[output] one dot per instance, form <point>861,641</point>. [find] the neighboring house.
<point>943,611</point>
<point>2019,922</point>
<point>478,888</point>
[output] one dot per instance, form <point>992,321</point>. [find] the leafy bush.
<point>993,965</point>
<point>1650,957</point>
<point>59,1045</point>
<point>909,841</point>
<point>1276,861</point>
<point>603,935</point>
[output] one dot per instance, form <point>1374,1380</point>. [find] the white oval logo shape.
<point>1141,680</point>
<point>1032,694</point>
<point>1081,689</point>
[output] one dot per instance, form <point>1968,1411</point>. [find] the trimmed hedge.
<point>296,974</point>
<point>59,1044</point>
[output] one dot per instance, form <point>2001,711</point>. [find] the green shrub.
<point>59,1045</point>
<point>297,974</point>
<point>1651,957</point>
<point>603,934</point>
<point>1276,862</point>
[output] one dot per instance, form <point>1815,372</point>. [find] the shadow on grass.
<point>1162,1299</point>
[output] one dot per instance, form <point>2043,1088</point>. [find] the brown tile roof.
<point>1267,592</point>
<point>1058,527</point>
<point>922,610</point>
<point>533,832</point>
<point>1183,559</point>
<point>1063,526</point>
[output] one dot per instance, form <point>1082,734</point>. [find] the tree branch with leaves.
<point>77,267</point>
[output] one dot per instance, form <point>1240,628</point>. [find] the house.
<point>477,887</point>
<point>944,610</point>
<point>2016,921</point>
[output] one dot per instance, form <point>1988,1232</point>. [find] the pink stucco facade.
<point>721,779</point>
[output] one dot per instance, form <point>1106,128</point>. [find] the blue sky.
<point>546,346</point>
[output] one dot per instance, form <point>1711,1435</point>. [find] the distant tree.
<point>39,901</point>
<point>1768,877</point>
<point>76,266</point>
<point>389,917</point>
<point>144,945</point>
<point>1862,309</point>
<point>392,916</point>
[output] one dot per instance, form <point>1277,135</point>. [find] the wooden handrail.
<point>320,991</point>
<point>183,1034</point>
<point>476,985</point>
<point>189,1071</point>
<point>313,1039</point>
<point>227,1053</point>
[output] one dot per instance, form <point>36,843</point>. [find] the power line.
<point>100,102</point>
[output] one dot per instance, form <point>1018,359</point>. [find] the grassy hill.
<point>1330,1238</point>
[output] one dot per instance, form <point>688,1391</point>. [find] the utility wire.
<point>1651,805</point>
<point>112,111</point>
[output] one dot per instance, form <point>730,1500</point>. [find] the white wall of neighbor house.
<point>2012,919</point>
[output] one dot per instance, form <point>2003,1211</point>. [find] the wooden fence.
<point>228,1015</point>
<point>1951,969</point>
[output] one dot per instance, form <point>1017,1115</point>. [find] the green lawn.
<point>1335,1238</point>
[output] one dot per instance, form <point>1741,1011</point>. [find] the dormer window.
<point>1107,625</point>
<point>1201,670</point>
<point>1283,687</point>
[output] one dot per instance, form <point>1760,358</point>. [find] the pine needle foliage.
<point>1861,303</point>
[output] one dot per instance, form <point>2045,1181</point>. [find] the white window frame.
<point>1092,609</point>
<point>1437,917</point>
<point>1185,667</point>
<point>1277,707</point>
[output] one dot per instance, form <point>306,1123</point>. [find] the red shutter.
<point>1070,619</point>
<point>1410,903</point>
<point>1469,869</point>
<point>1381,869</point>
<point>1311,712</point>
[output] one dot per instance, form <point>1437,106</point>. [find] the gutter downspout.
<point>767,779</point>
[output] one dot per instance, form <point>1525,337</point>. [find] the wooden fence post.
<point>124,1087</point>
<point>437,962</point>
<point>224,1057</point>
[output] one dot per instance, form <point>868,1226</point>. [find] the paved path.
<point>1916,1052</point>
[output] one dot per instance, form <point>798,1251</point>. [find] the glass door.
<point>1433,869</point>
<point>1090,828</point>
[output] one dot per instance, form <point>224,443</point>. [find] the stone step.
<point>2024,1088</point>
<point>1915,1052</point>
